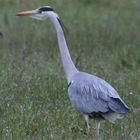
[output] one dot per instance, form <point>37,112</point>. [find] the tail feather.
<point>116,105</point>
<point>112,117</point>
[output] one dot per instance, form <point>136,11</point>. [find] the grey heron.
<point>89,94</point>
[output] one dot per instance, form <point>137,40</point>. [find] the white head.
<point>41,13</point>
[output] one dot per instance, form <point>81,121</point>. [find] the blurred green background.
<point>104,39</point>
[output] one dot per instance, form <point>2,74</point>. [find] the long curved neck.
<point>68,65</point>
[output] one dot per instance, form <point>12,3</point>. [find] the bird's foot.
<point>90,132</point>
<point>77,128</point>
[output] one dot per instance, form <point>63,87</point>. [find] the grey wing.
<point>95,95</point>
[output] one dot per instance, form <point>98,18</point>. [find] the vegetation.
<point>104,39</point>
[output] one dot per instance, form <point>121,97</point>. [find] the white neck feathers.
<point>68,65</point>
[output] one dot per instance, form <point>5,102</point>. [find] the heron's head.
<point>41,13</point>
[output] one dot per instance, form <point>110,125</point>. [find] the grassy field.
<point>103,34</point>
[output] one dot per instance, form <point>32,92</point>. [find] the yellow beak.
<point>27,13</point>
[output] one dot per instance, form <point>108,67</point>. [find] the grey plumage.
<point>92,95</point>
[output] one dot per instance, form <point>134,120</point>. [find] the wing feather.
<point>89,93</point>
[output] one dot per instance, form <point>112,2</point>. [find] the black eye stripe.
<point>43,9</point>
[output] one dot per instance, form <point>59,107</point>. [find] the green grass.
<point>34,104</point>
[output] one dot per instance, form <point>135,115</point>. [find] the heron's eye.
<point>39,11</point>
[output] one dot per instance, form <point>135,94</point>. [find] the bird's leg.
<point>87,120</point>
<point>87,125</point>
<point>98,130</point>
<point>86,130</point>
<point>78,128</point>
